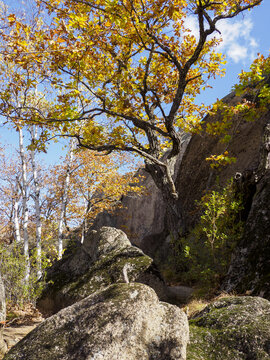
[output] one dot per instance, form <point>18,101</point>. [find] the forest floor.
<point>19,323</point>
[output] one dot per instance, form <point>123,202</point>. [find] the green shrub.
<point>203,256</point>
<point>13,271</point>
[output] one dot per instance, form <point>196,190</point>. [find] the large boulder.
<point>3,346</point>
<point>121,322</point>
<point>235,328</point>
<point>106,257</point>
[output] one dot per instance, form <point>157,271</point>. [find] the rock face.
<point>250,267</point>
<point>106,257</point>
<point>121,322</point>
<point>196,177</point>
<point>142,217</point>
<point>235,328</point>
<point>3,346</point>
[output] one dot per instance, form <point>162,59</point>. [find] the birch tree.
<point>10,197</point>
<point>16,221</point>
<point>25,198</point>
<point>37,200</point>
<point>64,198</point>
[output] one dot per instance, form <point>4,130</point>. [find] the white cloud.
<point>237,41</point>
<point>191,23</point>
<point>253,43</point>
<point>237,52</point>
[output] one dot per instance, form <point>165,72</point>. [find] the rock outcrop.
<point>139,216</point>
<point>121,322</point>
<point>106,257</point>
<point>250,145</point>
<point>142,218</point>
<point>196,177</point>
<point>249,271</point>
<point>3,346</point>
<point>250,267</point>
<point>235,328</point>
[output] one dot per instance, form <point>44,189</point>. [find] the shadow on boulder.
<point>106,257</point>
<point>123,321</point>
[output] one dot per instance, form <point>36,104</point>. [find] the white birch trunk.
<point>87,205</point>
<point>16,222</point>
<point>65,198</point>
<point>36,197</point>
<point>24,206</point>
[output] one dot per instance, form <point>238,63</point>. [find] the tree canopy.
<point>123,75</point>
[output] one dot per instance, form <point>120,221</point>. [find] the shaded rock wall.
<point>249,271</point>
<point>196,177</point>
<point>250,266</point>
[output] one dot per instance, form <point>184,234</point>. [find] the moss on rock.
<point>105,259</point>
<point>120,322</point>
<point>235,328</point>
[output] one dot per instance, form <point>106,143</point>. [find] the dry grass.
<point>196,305</point>
<point>17,316</point>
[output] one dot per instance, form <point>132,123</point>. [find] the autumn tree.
<point>99,182</point>
<point>134,66</point>
<point>95,184</point>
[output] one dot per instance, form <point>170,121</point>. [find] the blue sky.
<point>243,37</point>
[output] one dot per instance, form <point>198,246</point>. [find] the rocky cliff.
<point>196,177</point>
<point>143,218</point>
<point>250,266</point>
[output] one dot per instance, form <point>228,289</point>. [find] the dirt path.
<point>14,334</point>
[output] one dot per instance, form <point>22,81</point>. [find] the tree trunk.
<point>87,204</point>
<point>65,198</point>
<point>24,206</point>
<point>173,216</point>
<point>3,346</point>
<point>36,197</point>
<point>16,223</point>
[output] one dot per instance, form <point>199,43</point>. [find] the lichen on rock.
<point>105,258</point>
<point>120,322</point>
<point>235,328</point>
